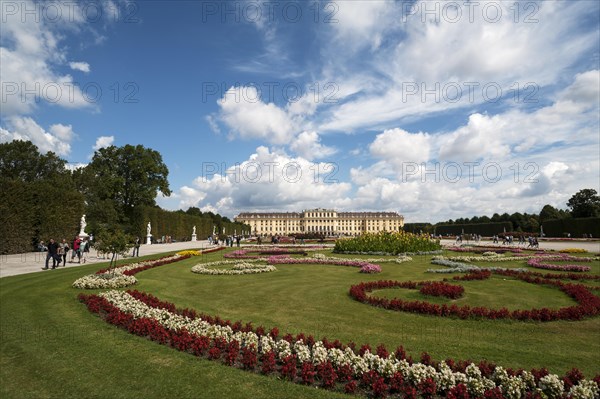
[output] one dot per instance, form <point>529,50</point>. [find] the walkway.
<point>11,265</point>
<point>590,246</point>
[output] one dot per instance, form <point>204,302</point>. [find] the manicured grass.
<point>494,293</point>
<point>52,346</point>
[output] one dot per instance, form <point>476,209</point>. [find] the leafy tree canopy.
<point>585,203</point>
<point>21,160</point>
<point>120,180</point>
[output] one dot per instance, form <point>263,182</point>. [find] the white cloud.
<point>397,146</point>
<point>482,137</point>
<point>265,181</point>
<point>248,116</point>
<point>57,139</point>
<point>308,146</point>
<point>80,66</point>
<point>476,56</point>
<point>103,142</point>
<point>212,123</point>
<point>29,54</point>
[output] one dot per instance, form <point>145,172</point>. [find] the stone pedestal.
<point>194,237</point>
<point>149,239</point>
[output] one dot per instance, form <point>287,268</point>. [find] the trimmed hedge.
<point>36,211</point>
<point>484,229</point>
<point>179,225</point>
<point>576,226</point>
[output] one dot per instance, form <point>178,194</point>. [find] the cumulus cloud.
<point>308,146</point>
<point>57,139</point>
<point>103,142</point>
<point>243,111</point>
<point>29,53</point>
<point>80,66</point>
<point>266,181</point>
<point>398,146</point>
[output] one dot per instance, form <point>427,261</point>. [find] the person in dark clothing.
<point>52,253</point>
<point>136,247</point>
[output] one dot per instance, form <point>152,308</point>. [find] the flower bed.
<point>459,267</point>
<point>122,276</point>
<point>398,259</point>
<point>244,253</point>
<point>538,263</point>
<point>573,251</point>
<point>237,269</point>
<point>440,288</point>
<point>328,364</point>
<point>371,269</point>
<point>314,261</point>
<point>386,242</point>
<point>588,303</point>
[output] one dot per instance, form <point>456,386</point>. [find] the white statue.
<point>148,229</point>
<point>194,231</point>
<point>82,224</point>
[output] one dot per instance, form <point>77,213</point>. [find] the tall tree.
<point>549,212</point>
<point>21,160</point>
<point>585,203</point>
<point>119,181</point>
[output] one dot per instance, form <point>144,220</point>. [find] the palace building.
<point>325,221</point>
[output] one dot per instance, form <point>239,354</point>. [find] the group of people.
<point>58,252</point>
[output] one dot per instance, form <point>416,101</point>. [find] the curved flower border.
<point>537,262</point>
<point>588,303</point>
<point>328,364</point>
<point>368,267</point>
<point>238,268</point>
<point>122,276</point>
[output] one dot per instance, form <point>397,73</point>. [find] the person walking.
<point>63,249</point>
<point>52,253</point>
<point>136,247</point>
<point>76,244</point>
<point>83,249</point>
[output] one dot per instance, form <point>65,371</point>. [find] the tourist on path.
<point>136,247</point>
<point>63,249</point>
<point>52,253</point>
<point>76,244</point>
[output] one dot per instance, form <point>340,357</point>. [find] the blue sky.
<point>435,110</point>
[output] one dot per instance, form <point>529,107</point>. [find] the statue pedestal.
<point>194,237</point>
<point>149,239</point>
<point>83,235</point>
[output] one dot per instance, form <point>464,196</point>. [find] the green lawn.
<point>53,347</point>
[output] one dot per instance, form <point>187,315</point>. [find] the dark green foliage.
<point>418,228</point>
<point>585,203</point>
<point>119,181</point>
<point>484,229</point>
<point>576,227</point>
<point>38,200</point>
<point>179,224</point>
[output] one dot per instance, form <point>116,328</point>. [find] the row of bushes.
<point>577,227</point>
<point>483,229</point>
<point>179,225</point>
<point>35,211</point>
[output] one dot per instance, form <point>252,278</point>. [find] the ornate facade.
<point>325,221</point>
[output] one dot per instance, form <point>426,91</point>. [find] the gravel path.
<point>31,262</point>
